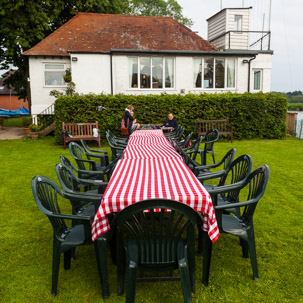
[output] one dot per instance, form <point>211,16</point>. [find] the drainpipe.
<point>248,61</point>
<point>111,74</point>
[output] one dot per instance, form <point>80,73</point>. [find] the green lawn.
<point>26,235</point>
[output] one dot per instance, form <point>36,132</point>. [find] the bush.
<point>295,106</point>
<point>251,115</point>
<point>26,121</point>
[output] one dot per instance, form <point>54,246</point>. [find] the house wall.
<point>224,22</point>
<point>92,74</point>
<point>238,41</point>
<point>216,27</point>
<point>39,92</point>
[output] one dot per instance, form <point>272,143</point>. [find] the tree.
<point>169,8</point>
<point>25,23</point>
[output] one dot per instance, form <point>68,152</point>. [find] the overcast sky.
<point>286,33</point>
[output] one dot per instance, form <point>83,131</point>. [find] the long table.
<point>151,168</point>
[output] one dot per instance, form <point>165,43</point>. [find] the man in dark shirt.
<point>171,121</point>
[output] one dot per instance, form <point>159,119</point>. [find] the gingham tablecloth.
<point>138,178</point>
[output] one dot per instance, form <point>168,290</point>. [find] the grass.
<point>26,235</point>
<point>16,122</point>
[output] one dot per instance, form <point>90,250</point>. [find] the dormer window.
<point>238,22</point>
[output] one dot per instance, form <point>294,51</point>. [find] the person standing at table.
<point>171,121</point>
<point>130,120</point>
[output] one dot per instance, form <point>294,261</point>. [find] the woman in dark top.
<point>129,118</point>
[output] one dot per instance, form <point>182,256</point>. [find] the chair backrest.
<point>85,146</point>
<point>68,164</point>
<point>67,178</point>
<point>228,158</point>
<point>46,194</point>
<point>157,226</point>
<point>187,139</point>
<point>78,154</point>
<point>211,137</point>
<point>194,150</point>
<point>237,172</point>
<point>256,183</point>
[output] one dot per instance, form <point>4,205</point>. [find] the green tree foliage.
<point>169,8</point>
<point>25,23</point>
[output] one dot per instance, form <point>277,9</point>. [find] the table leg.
<point>207,249</point>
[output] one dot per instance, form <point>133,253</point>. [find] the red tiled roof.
<point>89,32</point>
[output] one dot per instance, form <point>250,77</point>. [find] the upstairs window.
<point>53,74</point>
<point>214,73</point>
<point>238,23</point>
<point>151,72</point>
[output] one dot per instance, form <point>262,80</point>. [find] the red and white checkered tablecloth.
<point>150,152</point>
<point>153,175</point>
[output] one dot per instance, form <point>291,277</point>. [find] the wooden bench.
<point>223,126</point>
<point>78,131</point>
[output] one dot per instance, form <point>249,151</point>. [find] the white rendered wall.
<point>91,73</point>
<point>40,97</point>
<point>262,62</point>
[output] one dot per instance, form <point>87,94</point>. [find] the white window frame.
<point>261,79</point>
<point>151,73</point>
<point>65,66</point>
<point>214,74</point>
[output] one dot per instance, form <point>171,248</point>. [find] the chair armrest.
<point>235,205</point>
<point>211,175</point>
<point>226,188</point>
<point>68,217</point>
<point>105,152</point>
<point>96,183</point>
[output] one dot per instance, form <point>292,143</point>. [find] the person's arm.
<point>175,124</point>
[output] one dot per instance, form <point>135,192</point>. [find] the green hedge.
<point>251,115</point>
<point>295,106</point>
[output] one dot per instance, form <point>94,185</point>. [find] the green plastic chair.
<point>211,137</point>
<point>48,196</point>
<point>82,174</point>
<point>202,170</point>
<point>240,226</point>
<point>156,241</point>
<point>96,152</point>
<point>194,149</point>
<point>71,183</point>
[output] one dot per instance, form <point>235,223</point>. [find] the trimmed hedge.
<point>295,106</point>
<point>251,115</point>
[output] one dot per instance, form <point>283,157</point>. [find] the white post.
<point>269,17</point>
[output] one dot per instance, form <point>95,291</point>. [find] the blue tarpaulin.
<point>14,113</point>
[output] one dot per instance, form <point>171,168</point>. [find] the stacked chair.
<point>83,188</point>
<point>49,197</point>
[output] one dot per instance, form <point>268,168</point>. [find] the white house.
<point>114,54</point>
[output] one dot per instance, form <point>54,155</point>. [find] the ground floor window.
<point>214,73</point>
<point>53,74</point>
<point>151,72</point>
<point>257,79</point>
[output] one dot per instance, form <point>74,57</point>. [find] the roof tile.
<point>90,32</point>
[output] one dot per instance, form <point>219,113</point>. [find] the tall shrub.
<point>251,115</point>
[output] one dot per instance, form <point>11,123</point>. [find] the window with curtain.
<point>53,74</point>
<point>257,79</point>
<point>231,73</point>
<point>214,73</point>
<point>151,72</point>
